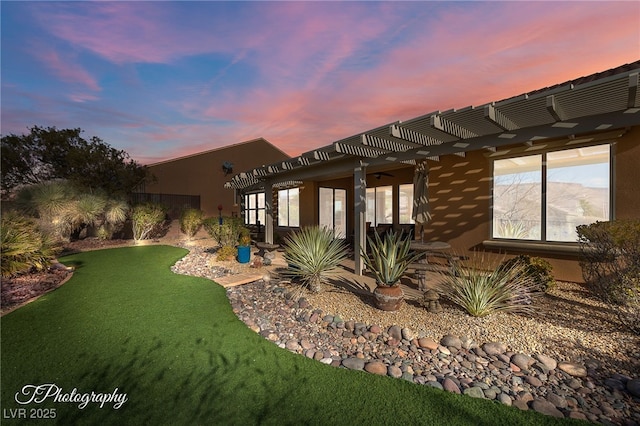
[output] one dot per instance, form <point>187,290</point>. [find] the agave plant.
<point>313,255</point>
<point>390,257</point>
<point>482,291</point>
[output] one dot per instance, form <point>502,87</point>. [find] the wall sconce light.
<point>227,167</point>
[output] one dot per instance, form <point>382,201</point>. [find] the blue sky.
<point>167,79</point>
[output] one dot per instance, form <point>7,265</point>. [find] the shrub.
<point>191,222</point>
<point>481,292</point>
<point>390,257</point>
<point>226,253</point>
<point>146,219</point>
<point>23,246</point>
<point>610,261</point>
<point>225,234</point>
<point>313,254</point>
<point>245,236</point>
<point>537,268</point>
<point>64,211</point>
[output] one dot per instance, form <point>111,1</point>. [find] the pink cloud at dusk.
<point>167,79</point>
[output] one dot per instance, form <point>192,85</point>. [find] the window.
<point>380,205</point>
<point>333,210</point>
<point>405,204</point>
<point>254,209</point>
<point>289,207</point>
<point>544,197</point>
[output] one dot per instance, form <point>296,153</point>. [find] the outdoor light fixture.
<point>227,167</point>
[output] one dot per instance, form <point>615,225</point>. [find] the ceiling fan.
<point>378,175</point>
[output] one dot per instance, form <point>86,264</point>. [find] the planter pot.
<point>244,254</point>
<point>388,298</point>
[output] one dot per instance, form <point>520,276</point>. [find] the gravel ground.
<point>567,324</point>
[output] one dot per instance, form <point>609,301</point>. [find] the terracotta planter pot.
<point>388,298</point>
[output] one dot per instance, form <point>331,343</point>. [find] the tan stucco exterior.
<point>460,197</point>
<point>202,173</point>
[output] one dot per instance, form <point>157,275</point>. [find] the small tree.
<point>146,219</point>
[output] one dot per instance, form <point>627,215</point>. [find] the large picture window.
<point>254,209</point>
<point>289,207</point>
<point>544,197</point>
<point>380,205</point>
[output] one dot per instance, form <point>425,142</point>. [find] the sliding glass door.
<point>333,210</point>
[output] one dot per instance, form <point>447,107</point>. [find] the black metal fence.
<point>175,203</point>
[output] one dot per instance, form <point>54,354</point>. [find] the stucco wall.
<point>202,174</point>
<point>460,196</point>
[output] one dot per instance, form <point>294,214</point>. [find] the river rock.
<point>633,386</point>
<point>573,369</point>
<point>545,407</point>
<point>494,348</point>
<point>427,343</point>
<point>354,363</point>
<point>450,386</point>
<point>474,392</point>
<point>523,361</point>
<point>451,341</point>
<point>547,361</point>
<point>376,367</point>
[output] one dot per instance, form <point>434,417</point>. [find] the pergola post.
<point>268,212</point>
<point>360,214</point>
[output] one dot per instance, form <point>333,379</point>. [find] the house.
<point>198,180</point>
<point>500,175</point>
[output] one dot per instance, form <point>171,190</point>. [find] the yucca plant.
<point>24,246</point>
<point>390,257</point>
<point>115,214</point>
<point>191,222</point>
<point>313,254</point>
<point>481,291</point>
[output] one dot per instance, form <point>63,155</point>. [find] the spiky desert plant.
<point>52,203</point>
<point>86,210</point>
<point>146,218</point>
<point>313,254</point>
<point>390,257</point>
<point>191,222</point>
<point>115,214</point>
<point>24,246</point>
<point>481,291</point>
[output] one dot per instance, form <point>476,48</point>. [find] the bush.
<point>535,267</point>
<point>191,222</point>
<point>313,254</point>
<point>146,219</point>
<point>65,211</point>
<point>226,234</point>
<point>23,246</point>
<point>226,253</point>
<point>481,292</point>
<point>610,261</point>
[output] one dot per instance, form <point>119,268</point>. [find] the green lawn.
<point>174,346</point>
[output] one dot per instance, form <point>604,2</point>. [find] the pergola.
<point>596,106</point>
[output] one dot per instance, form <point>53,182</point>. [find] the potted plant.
<point>244,246</point>
<point>389,260</point>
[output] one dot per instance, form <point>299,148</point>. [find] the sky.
<point>165,79</point>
